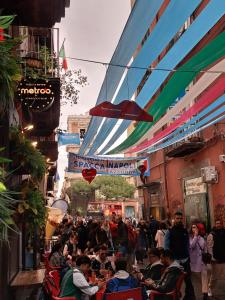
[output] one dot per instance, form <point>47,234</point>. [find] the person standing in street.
<point>198,267</point>
<point>122,239</point>
<point>177,241</point>
<point>160,235</point>
<point>216,247</point>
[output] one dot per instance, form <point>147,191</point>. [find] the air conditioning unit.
<point>222,157</point>
<point>209,174</point>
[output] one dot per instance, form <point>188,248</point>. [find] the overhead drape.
<point>168,25</point>
<point>193,92</point>
<point>207,98</point>
<point>178,82</point>
<point>133,33</point>
<point>195,124</point>
<point>205,21</point>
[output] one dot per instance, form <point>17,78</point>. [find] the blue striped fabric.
<point>193,125</point>
<point>134,31</point>
<point>207,19</point>
<point>168,25</point>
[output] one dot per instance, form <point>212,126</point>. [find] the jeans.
<point>189,289</point>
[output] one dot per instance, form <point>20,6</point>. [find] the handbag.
<point>206,256</point>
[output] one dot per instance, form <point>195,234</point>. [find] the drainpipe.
<point>165,183</point>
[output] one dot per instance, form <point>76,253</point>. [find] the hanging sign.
<point>128,110</point>
<point>108,166</point>
<point>89,174</point>
<point>195,186</point>
<point>68,139</point>
<point>37,95</point>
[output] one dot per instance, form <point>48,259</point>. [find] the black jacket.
<point>153,271</point>
<point>168,281</point>
<point>178,241</point>
<point>219,244</point>
<point>122,234</point>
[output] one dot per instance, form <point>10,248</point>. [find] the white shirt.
<point>80,281</point>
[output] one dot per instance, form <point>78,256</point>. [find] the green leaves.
<point>10,71</point>
<point>108,187</point>
<point>25,156</point>
<point>5,21</point>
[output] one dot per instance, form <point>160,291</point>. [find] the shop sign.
<point>195,186</point>
<point>37,95</point>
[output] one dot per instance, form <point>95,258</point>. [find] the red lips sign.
<point>126,109</point>
<point>89,174</point>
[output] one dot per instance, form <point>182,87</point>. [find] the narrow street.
<point>112,149</point>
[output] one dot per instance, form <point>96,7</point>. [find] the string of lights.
<point>143,68</point>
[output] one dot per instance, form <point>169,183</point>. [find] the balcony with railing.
<point>186,147</point>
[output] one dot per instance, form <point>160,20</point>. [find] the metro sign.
<point>36,95</point>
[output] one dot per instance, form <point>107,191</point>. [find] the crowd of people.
<point>93,254</point>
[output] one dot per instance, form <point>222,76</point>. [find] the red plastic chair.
<point>132,294</point>
<point>64,298</point>
<point>48,267</point>
<point>175,294</point>
<point>56,277</point>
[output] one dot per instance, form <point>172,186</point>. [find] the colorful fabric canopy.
<point>134,31</point>
<point>209,54</point>
<point>193,92</point>
<point>170,22</point>
<point>201,121</point>
<point>207,98</point>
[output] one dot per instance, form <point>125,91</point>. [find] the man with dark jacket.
<point>122,238</point>
<point>168,281</point>
<point>216,247</point>
<point>155,268</point>
<point>177,241</point>
<point>81,236</point>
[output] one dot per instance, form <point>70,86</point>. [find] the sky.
<point>91,29</point>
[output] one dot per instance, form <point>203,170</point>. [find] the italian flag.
<point>63,56</point>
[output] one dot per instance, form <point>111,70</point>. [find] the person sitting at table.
<point>74,283</point>
<point>56,258</point>
<point>168,280</point>
<point>70,246</point>
<point>101,263</point>
<point>155,268</point>
<point>122,280</point>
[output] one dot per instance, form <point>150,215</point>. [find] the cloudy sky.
<point>92,29</point>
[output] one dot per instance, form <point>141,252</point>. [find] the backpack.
<point>120,285</point>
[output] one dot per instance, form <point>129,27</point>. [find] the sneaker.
<point>205,296</point>
<point>209,292</point>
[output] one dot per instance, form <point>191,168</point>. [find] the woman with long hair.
<point>198,268</point>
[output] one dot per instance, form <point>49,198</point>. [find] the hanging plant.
<point>10,71</point>
<point>7,203</point>
<point>31,209</point>
<point>26,159</point>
